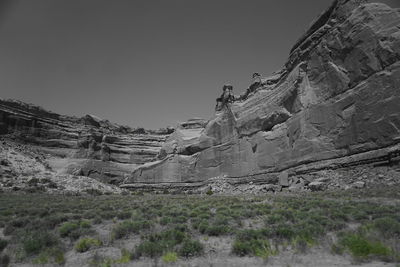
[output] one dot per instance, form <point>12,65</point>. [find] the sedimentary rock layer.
<point>85,146</point>
<point>338,95</point>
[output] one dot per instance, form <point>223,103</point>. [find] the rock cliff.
<point>335,103</point>
<point>86,146</point>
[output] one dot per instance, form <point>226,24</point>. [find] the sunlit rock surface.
<point>337,96</point>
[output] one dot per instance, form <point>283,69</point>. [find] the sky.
<point>143,63</point>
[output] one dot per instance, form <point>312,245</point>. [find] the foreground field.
<point>310,229</point>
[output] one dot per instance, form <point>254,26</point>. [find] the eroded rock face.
<point>85,146</point>
<point>338,95</point>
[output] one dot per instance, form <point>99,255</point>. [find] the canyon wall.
<point>86,146</point>
<point>337,96</point>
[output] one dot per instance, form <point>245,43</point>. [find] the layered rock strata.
<point>86,146</point>
<point>336,100</point>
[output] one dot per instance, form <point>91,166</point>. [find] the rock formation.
<point>335,102</point>
<point>85,146</point>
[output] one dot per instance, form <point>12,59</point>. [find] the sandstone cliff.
<point>86,146</point>
<point>335,102</point>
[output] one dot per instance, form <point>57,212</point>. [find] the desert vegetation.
<point>41,228</point>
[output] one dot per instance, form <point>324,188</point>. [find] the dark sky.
<point>147,63</point>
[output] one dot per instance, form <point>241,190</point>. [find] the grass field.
<point>40,229</point>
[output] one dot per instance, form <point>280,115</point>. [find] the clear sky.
<point>143,63</point>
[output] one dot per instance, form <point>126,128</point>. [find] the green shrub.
<point>168,239</point>
<point>35,242</point>
<point>125,257</point>
<point>253,242</point>
<point>150,249</point>
<point>179,219</point>
<point>84,224</point>
<point>302,242</point>
<point>388,227</point>
<point>273,219</point>
<point>256,247</point>
<point>170,257</point>
<point>264,250</point>
<point>58,256</point>
<point>249,234</point>
<point>97,220</point>
<point>123,215</point>
<point>74,230</point>
<point>53,220</point>
<point>242,248</point>
<point>191,248</point>
<point>109,214</point>
<point>19,223</point>
<point>85,244</point>
<point>209,192</point>
<point>360,247</point>
<point>8,230</point>
<point>167,220</point>
<point>217,230</point>
<point>181,227</point>
<point>285,232</point>
<point>202,226</point>
<point>158,243</point>
<point>68,228</point>
<point>127,227</point>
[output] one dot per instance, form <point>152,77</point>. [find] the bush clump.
<point>209,191</point>
<point>157,244</point>
<point>191,248</point>
<point>360,247</point>
<point>127,227</point>
<point>50,255</point>
<point>217,230</point>
<point>68,228</point>
<point>389,227</point>
<point>150,249</point>
<point>35,242</point>
<point>74,230</point>
<point>85,244</point>
<point>252,242</point>
<point>170,257</point>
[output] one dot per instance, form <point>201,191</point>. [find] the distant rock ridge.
<point>86,146</point>
<point>335,103</point>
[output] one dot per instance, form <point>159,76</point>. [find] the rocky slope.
<point>334,104</point>
<point>86,146</point>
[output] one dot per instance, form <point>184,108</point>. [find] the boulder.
<point>284,179</point>
<point>358,184</point>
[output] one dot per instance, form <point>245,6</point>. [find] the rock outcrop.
<point>335,102</point>
<point>86,146</point>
